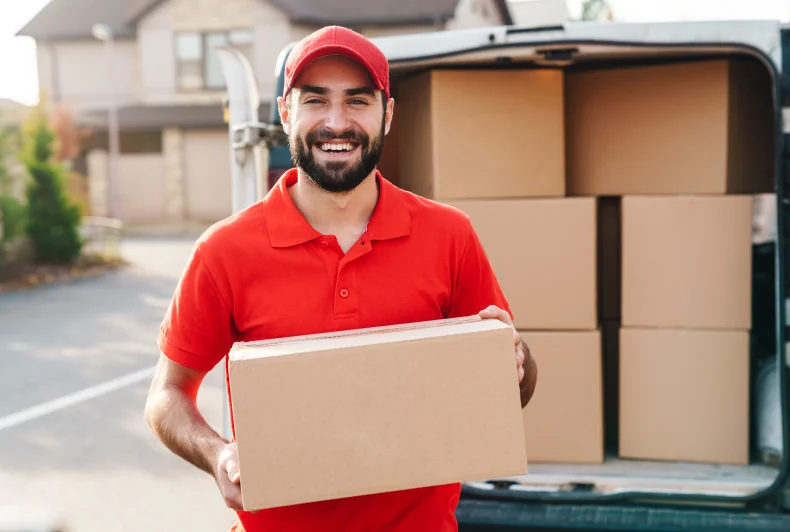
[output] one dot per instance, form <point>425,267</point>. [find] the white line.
<point>66,401</point>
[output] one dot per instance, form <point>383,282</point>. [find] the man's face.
<point>336,122</point>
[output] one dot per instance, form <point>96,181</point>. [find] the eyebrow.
<point>349,92</point>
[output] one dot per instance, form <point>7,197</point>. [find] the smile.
<point>343,147</point>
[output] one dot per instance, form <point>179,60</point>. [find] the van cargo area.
<point>677,143</point>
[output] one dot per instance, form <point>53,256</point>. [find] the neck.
<point>331,213</point>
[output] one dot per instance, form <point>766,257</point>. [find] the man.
<point>333,246</point>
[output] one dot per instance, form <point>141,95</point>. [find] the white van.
<point>619,493</point>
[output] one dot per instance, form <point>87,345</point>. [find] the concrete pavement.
<point>74,442</point>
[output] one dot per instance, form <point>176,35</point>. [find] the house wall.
<point>157,33</point>
<point>273,32</point>
<point>76,73</point>
<point>156,42</point>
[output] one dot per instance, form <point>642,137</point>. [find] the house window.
<point>199,67</point>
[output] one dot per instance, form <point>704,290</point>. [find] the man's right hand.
<point>226,473</point>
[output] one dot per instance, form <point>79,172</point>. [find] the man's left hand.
<point>524,362</point>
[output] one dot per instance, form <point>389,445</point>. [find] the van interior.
<point>637,120</point>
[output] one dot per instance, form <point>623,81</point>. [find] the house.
<point>159,71</point>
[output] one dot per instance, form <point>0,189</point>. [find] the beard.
<point>337,176</point>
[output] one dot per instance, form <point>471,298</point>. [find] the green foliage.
<point>52,222</point>
<point>13,216</point>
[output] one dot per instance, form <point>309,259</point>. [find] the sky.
<point>19,79</point>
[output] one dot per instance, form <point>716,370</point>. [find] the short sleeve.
<point>197,330</point>
<point>476,286</point>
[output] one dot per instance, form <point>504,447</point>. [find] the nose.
<point>337,119</point>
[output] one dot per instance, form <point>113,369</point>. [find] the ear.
<point>388,114</point>
<point>282,107</point>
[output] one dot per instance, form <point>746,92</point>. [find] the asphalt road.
<point>74,372</point>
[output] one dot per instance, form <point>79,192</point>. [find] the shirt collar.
<point>287,227</point>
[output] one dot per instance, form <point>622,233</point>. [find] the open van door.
<point>249,142</point>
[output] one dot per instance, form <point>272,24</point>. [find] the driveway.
<point>76,361</point>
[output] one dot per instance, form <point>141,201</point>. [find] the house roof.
<point>154,117</point>
<point>73,19</point>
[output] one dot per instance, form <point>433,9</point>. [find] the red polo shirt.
<point>266,273</point>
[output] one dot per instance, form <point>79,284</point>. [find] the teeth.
<point>337,147</point>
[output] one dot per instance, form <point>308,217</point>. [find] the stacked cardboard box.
<point>492,144</point>
<point>680,149</point>
<point>614,205</point>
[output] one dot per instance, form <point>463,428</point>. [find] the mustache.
<point>326,135</point>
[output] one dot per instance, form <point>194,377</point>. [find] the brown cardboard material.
<point>684,395</point>
<point>482,134</point>
<point>543,252</point>
<point>690,128</point>
<point>375,410</point>
<point>563,423</point>
<point>687,261</point>
<point>609,258</point>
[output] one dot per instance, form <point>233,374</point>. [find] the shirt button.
<point>344,293</point>
<point>324,244</point>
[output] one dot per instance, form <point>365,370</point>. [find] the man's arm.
<point>171,412</point>
<point>527,385</point>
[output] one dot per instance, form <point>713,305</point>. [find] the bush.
<point>13,216</point>
<point>52,222</point>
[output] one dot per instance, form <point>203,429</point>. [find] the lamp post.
<point>104,33</point>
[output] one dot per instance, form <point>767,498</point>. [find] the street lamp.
<point>104,33</point>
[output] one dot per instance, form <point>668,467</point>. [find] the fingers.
<point>231,493</point>
<point>230,462</point>
<point>232,467</point>
<point>494,312</point>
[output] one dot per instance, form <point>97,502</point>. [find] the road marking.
<point>35,412</point>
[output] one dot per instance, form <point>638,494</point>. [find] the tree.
<point>52,222</point>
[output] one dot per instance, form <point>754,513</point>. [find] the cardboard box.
<point>375,410</point>
<point>563,423</point>
<point>609,258</point>
<point>543,253</point>
<point>482,134</point>
<point>684,395</point>
<point>687,262</point>
<point>688,128</point>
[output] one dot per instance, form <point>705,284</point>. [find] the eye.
<point>312,101</point>
<point>358,101</point>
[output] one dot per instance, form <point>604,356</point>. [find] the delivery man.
<point>333,246</point>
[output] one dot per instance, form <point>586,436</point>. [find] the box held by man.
<point>366,411</point>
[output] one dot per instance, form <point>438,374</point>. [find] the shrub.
<point>13,216</point>
<point>52,222</point>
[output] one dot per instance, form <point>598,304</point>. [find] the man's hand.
<point>226,473</point>
<point>527,370</point>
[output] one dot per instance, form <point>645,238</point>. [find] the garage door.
<point>207,179</point>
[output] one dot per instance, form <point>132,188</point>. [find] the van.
<point>649,77</point>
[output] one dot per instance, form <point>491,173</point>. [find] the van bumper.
<point>491,515</point>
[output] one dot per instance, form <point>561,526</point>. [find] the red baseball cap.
<point>336,40</point>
